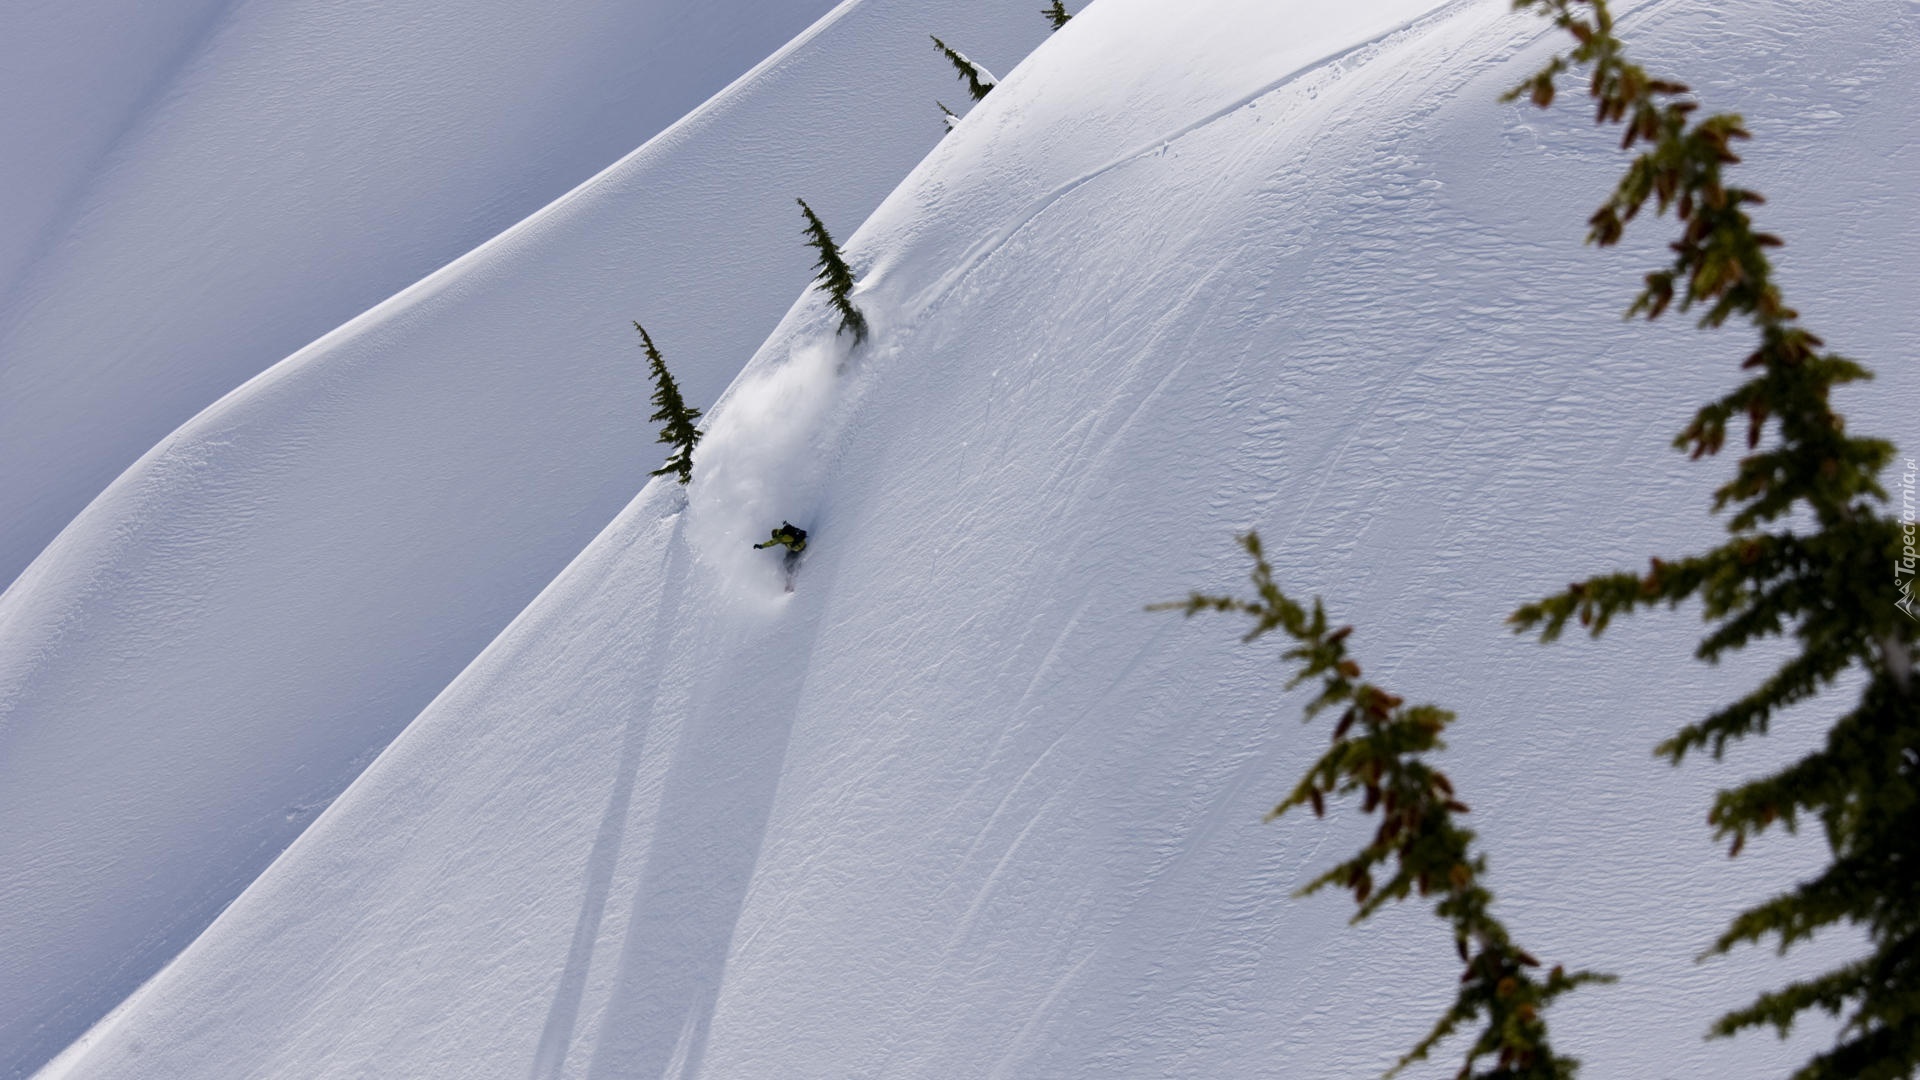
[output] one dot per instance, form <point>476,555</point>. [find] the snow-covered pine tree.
<point>672,412</point>
<point>833,274</point>
<point>951,118</point>
<point>1814,553</point>
<point>978,79</point>
<point>1056,14</point>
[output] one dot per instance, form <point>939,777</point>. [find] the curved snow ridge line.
<point>1333,66</point>
<point>628,520</point>
<point>917,720</point>
<point>462,268</point>
<point>406,495</point>
<point>460,272</point>
<point>345,137</point>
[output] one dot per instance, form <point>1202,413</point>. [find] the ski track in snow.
<point>974,258</point>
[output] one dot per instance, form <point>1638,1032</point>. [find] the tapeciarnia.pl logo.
<point>1903,567</point>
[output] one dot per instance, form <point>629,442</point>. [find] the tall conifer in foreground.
<point>978,79</point>
<point>833,274</point>
<point>1827,585</point>
<point>1420,847</point>
<point>1811,556</point>
<point>1056,13</point>
<point>672,412</point>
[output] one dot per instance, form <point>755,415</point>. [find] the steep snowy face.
<point>957,806</point>
<point>775,441</point>
<point>192,190</point>
<point>215,647</point>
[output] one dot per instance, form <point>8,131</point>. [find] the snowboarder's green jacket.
<point>794,538</point>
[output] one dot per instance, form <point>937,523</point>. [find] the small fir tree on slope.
<point>672,412</point>
<point>978,79</point>
<point>1056,14</point>
<point>834,275</point>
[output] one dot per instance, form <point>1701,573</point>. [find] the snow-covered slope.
<point>214,648</point>
<point>957,806</point>
<point>191,190</point>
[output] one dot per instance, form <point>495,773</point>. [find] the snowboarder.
<point>793,537</point>
<point>795,541</point>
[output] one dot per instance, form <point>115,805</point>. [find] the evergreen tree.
<point>834,275</point>
<point>951,118</point>
<point>1808,557</point>
<point>672,412</point>
<point>1376,752</point>
<point>1056,14</point>
<point>979,80</point>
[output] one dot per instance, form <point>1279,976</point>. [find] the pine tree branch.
<point>1827,589</point>
<point>1419,846</point>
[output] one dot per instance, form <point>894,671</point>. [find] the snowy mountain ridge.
<point>957,806</point>
<point>211,650</point>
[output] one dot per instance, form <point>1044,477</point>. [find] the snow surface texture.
<point>191,190</point>
<point>222,640</point>
<point>957,807</point>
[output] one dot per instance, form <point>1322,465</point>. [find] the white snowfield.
<point>192,190</point>
<point>958,807</point>
<point>223,639</point>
